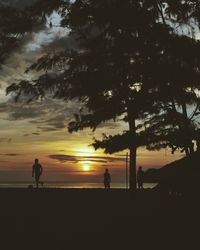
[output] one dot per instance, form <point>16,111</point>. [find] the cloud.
<point>64,158</point>
<point>50,115</point>
<point>47,129</point>
<point>74,159</point>
<point>32,46</point>
<point>11,154</point>
<point>35,133</point>
<point>3,140</point>
<point>57,121</point>
<point>19,4</point>
<point>25,112</point>
<point>3,107</point>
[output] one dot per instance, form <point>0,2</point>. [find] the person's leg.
<point>41,182</point>
<point>37,180</point>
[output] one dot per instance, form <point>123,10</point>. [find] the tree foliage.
<point>14,24</point>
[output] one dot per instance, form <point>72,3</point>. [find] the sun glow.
<point>86,168</point>
<point>84,151</point>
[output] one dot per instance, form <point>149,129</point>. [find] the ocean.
<point>114,185</point>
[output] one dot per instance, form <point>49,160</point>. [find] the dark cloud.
<point>105,158</point>
<point>11,154</point>
<point>47,129</point>
<point>57,121</point>
<point>74,159</point>
<point>25,112</point>
<point>3,139</point>
<point>35,133</point>
<point>64,158</point>
<point>19,4</point>
<point>49,115</point>
<point>121,155</point>
<point>3,107</point>
<point>110,124</point>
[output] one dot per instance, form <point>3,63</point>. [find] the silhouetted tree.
<point>183,17</point>
<point>129,64</point>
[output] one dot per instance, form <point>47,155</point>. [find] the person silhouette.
<point>37,172</point>
<point>140,178</point>
<point>107,179</point>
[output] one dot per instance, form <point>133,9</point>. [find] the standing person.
<point>37,172</point>
<point>140,178</point>
<point>107,179</point>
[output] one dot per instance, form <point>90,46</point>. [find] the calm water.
<point>69,185</point>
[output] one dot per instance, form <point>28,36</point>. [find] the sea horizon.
<point>68,184</point>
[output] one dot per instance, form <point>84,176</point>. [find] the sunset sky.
<point>39,130</point>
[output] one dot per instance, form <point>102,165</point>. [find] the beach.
<point>95,218</point>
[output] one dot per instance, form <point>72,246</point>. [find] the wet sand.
<point>96,219</point>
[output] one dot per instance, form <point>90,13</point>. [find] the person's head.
<point>140,168</point>
<point>36,161</point>
<point>106,170</point>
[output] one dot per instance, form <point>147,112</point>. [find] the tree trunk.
<point>186,129</point>
<point>133,154</point>
<point>132,170</point>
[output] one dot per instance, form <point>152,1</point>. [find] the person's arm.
<point>33,168</point>
<point>109,177</point>
<point>41,169</point>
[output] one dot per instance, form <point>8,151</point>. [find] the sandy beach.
<point>82,219</point>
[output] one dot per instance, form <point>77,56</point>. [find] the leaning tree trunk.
<point>133,154</point>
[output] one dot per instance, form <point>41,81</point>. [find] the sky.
<point>39,129</point>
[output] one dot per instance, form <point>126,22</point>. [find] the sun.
<point>86,168</point>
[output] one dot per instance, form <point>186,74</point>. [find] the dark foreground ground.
<point>96,219</point>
